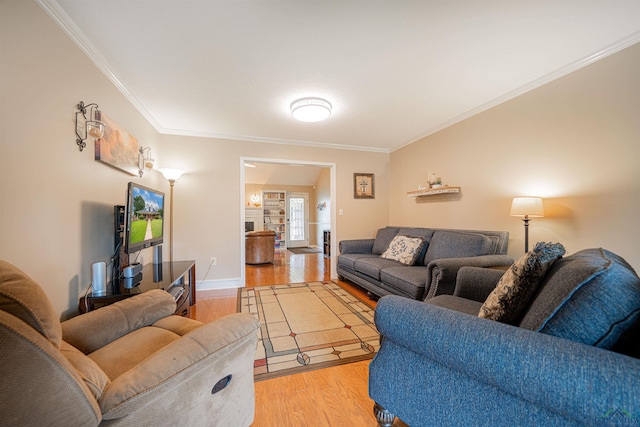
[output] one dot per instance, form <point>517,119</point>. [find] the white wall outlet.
<point>214,260</point>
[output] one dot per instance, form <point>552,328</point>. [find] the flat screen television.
<point>144,218</point>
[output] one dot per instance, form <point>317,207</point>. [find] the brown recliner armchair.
<point>260,247</point>
<point>130,363</point>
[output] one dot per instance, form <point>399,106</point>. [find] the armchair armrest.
<point>476,283</point>
<point>191,366</point>
<point>441,273</point>
<point>88,333</point>
<point>357,246</point>
<point>502,373</point>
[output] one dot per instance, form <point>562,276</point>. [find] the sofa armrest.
<point>91,331</point>
<point>441,273</point>
<point>358,246</point>
<point>476,283</point>
<point>462,358</point>
<point>191,366</point>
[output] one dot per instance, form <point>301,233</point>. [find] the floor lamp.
<point>172,175</point>
<point>527,207</point>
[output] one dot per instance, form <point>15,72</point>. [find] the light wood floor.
<point>336,396</point>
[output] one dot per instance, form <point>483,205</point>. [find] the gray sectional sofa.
<point>434,271</point>
<point>571,359</point>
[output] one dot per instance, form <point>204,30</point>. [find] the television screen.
<point>144,213</point>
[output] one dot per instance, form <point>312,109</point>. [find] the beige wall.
<point>208,207</point>
<point>56,203</point>
<point>575,142</point>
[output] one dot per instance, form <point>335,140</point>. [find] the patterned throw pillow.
<point>518,284</point>
<point>404,249</point>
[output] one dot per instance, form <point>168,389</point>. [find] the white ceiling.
<point>395,71</point>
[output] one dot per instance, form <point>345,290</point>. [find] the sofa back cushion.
<point>592,297</point>
<point>25,299</point>
<point>383,239</point>
<point>425,233</point>
<point>451,244</point>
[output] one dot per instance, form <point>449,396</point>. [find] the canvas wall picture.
<point>117,148</point>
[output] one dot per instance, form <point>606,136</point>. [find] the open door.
<point>297,220</point>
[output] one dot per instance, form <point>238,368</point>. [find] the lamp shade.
<point>171,174</point>
<point>527,206</point>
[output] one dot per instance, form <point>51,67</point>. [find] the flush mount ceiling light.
<point>311,109</point>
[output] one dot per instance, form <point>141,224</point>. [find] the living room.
<point>572,140</point>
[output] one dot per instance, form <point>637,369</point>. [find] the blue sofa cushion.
<point>349,260</point>
<point>409,279</point>
<point>372,266</point>
<point>404,249</point>
<point>518,284</point>
<point>450,244</point>
<point>384,236</point>
<point>592,297</point>
<point>425,233</point>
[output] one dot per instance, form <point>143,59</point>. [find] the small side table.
<point>168,275</point>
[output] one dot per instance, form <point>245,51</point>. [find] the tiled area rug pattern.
<point>308,326</point>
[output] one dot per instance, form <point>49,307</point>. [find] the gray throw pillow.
<point>518,284</point>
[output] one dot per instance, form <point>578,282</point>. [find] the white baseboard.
<point>208,285</point>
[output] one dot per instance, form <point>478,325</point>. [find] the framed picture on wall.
<point>364,186</point>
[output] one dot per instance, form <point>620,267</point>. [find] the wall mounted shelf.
<point>433,191</point>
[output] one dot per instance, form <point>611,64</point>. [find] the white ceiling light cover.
<point>311,109</point>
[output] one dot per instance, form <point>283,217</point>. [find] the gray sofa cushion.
<point>452,302</point>
<point>425,233</point>
<point>349,260</point>
<point>411,280</point>
<point>383,238</point>
<point>592,297</point>
<point>372,266</point>
<point>450,244</point>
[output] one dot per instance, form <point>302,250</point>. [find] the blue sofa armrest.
<point>476,283</point>
<point>442,273</point>
<point>357,246</point>
<point>441,367</point>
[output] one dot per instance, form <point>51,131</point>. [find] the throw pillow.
<point>404,249</point>
<point>518,284</point>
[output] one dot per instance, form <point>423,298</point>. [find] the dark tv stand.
<point>169,276</point>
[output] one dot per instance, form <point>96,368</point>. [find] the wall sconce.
<point>322,206</point>
<point>144,160</point>
<point>92,126</point>
<point>255,199</point>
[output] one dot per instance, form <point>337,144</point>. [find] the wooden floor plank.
<point>335,396</point>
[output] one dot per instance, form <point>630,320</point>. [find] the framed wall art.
<point>117,147</point>
<point>364,186</point>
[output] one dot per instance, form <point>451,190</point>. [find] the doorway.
<point>297,220</point>
<point>330,212</point>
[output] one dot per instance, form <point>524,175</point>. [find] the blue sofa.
<point>572,358</point>
<point>434,272</point>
